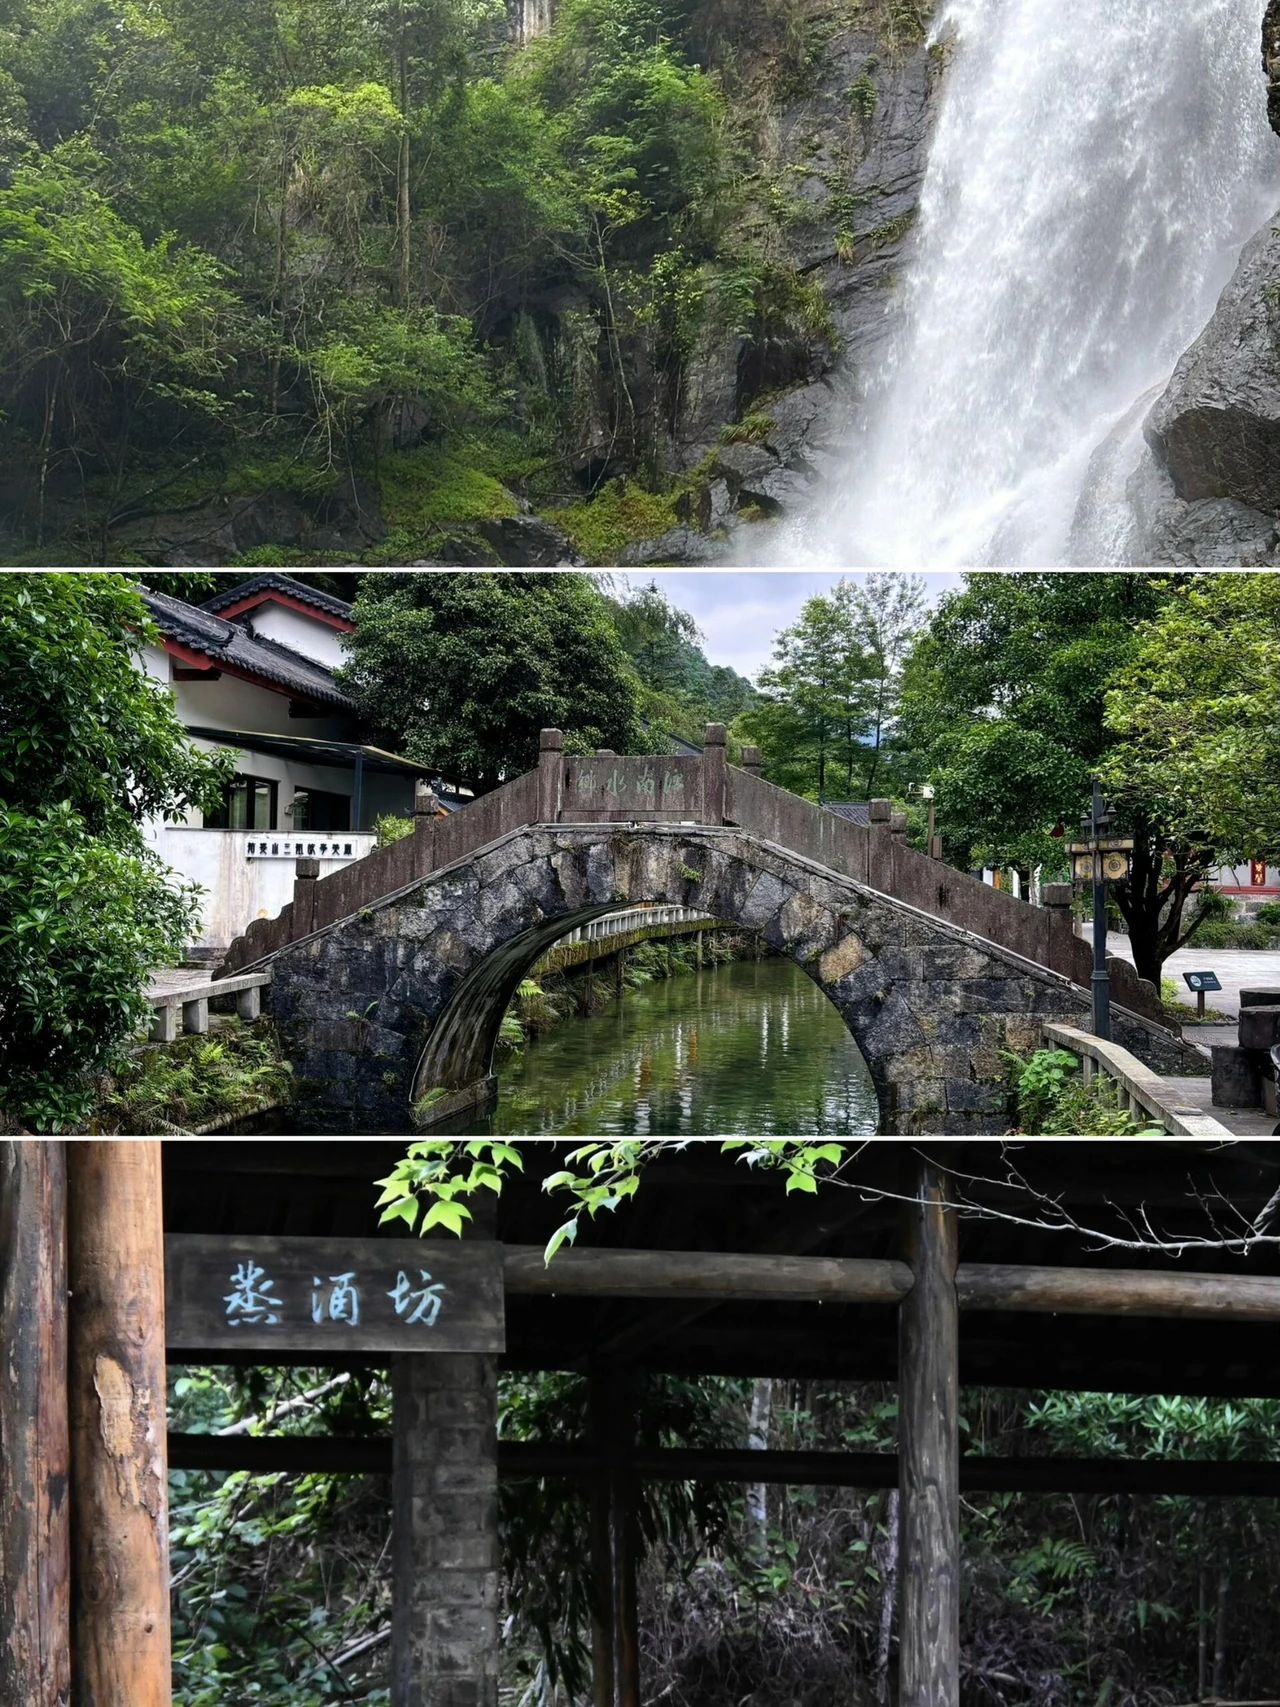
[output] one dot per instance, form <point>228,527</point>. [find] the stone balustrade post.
<point>426,806</point>
<point>898,825</point>
<point>880,846</point>
<point>715,775</point>
<point>550,775</point>
<point>1057,899</point>
<point>751,760</point>
<point>304,896</point>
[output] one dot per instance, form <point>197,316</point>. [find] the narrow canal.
<point>750,1048</point>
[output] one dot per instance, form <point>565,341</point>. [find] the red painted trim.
<point>210,672</point>
<point>268,595</point>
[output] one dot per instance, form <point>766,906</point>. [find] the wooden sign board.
<point>331,1297</point>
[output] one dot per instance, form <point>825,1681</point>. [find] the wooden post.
<point>444,1620</point>
<point>624,1534</point>
<point>602,1590</point>
<point>550,775</point>
<point>35,1543</point>
<point>715,774</point>
<point>116,1381</point>
<point>929,1455</point>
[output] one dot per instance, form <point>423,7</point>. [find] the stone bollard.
<point>880,846</point>
<point>881,811</point>
<point>304,896</point>
<point>751,760</point>
<point>714,773</point>
<point>550,775</point>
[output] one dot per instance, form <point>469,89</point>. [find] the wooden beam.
<point>116,1381</point>
<point>729,1276</point>
<point>1118,1292</point>
<point>371,1455</point>
<point>929,1455</point>
<point>35,1538</point>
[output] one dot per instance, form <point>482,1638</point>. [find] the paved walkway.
<point>1237,968</point>
<point>1243,1122</point>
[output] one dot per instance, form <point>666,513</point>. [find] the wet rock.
<point>1217,533</point>
<point>678,545</point>
<point>1217,426</point>
<point>528,542</point>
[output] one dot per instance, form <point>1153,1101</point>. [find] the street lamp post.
<point>1101,981</point>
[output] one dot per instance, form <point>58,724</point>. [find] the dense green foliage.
<point>89,748</point>
<point>1196,710</point>
<point>272,247</point>
<point>1005,702</point>
<point>235,1072</point>
<point>462,671</point>
<point>680,692</point>
<point>826,722</point>
<point>782,1595</point>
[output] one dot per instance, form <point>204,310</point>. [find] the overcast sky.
<point>740,610</point>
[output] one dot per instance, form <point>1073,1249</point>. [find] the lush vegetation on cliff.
<point>351,249</point>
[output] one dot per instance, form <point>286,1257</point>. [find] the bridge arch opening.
<point>666,1054</point>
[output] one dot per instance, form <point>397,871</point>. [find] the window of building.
<point>248,803</point>
<point>318,809</point>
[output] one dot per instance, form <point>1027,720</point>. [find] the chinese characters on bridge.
<point>415,1299</point>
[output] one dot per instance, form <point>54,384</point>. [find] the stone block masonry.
<point>406,996</point>
<point>444,1629</point>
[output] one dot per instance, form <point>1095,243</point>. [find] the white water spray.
<point>1095,169</point>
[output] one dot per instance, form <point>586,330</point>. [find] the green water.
<point>750,1048</point>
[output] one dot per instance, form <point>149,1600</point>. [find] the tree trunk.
<point>929,1455</point>
<point>120,1636</point>
<point>35,1544</point>
<point>402,156</point>
<point>1220,1635</point>
<point>758,1441</point>
<point>888,1601</point>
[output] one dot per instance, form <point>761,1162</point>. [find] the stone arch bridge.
<point>390,977</point>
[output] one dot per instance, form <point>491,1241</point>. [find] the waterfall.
<point>530,19</point>
<point>1095,168</point>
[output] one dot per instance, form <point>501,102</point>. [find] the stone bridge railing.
<point>605,787</point>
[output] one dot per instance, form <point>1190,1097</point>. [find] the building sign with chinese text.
<point>330,1297</point>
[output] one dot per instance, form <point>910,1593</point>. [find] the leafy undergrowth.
<point>620,514</point>
<point>429,490</point>
<point>236,1071</point>
<point>1055,1102</point>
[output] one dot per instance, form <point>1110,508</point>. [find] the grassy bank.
<point>234,1072</point>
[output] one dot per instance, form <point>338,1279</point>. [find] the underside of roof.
<point>311,750</point>
<point>1046,1203</point>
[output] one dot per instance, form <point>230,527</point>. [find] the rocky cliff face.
<point>1216,428</point>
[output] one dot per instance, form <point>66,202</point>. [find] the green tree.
<point>90,748</point>
<point>462,671</point>
<point>1004,705</point>
<point>1196,714</point>
<point>827,720</point>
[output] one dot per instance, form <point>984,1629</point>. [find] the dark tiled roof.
<point>852,811</point>
<point>278,584</point>
<point>226,644</point>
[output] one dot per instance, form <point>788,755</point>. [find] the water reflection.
<point>750,1049</point>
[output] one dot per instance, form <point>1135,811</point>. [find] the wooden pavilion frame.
<point>949,1281</point>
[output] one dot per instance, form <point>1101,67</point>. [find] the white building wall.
<point>237,888</point>
<point>305,634</point>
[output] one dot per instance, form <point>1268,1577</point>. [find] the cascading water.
<point>1095,169</point>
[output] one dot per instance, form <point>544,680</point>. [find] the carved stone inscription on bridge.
<point>331,1296</point>
<point>641,788</point>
